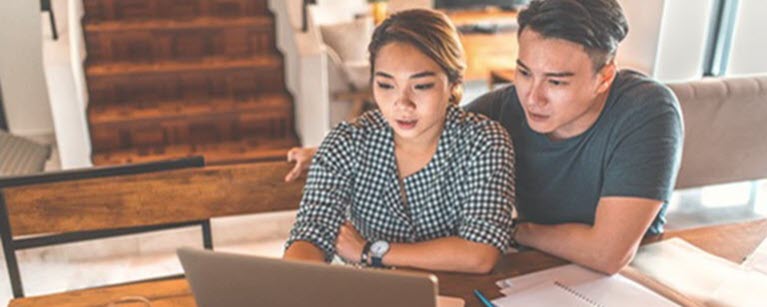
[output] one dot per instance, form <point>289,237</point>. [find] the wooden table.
<point>732,242</point>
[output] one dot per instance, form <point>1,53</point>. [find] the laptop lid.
<point>223,279</point>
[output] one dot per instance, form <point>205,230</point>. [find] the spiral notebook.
<point>572,285</point>
<point>548,294</point>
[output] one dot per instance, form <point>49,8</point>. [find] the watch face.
<point>379,248</point>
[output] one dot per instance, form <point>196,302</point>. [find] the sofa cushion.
<point>725,130</point>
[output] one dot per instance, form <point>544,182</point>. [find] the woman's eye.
<point>424,86</point>
<point>384,85</point>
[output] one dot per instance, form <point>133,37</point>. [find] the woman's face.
<point>412,92</point>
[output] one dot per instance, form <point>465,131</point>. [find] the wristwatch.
<point>377,251</point>
<point>365,253</point>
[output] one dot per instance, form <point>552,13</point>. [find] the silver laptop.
<point>223,279</point>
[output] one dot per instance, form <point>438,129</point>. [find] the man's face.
<point>555,80</point>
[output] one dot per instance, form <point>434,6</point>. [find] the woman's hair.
<point>432,33</point>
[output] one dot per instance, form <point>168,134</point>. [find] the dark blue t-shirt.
<point>633,149</point>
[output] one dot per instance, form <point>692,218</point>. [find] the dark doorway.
<point>3,123</point>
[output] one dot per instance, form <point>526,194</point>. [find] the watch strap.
<point>365,253</point>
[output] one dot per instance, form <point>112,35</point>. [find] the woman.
<point>418,182</point>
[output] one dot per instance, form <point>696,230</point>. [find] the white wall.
<point>666,38</point>
<point>63,65</point>
<point>749,44</point>
<point>305,75</point>
<point>682,41</point>
<point>25,93</point>
<point>638,51</point>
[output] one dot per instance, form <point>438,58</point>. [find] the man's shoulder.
<point>636,87</point>
<point>636,97</point>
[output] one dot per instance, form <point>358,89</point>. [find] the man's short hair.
<point>597,25</point>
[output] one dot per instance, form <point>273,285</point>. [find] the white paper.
<point>701,276</point>
<point>450,301</point>
<point>542,295</point>
<point>758,259</point>
<point>615,290</point>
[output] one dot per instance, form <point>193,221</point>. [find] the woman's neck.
<point>412,155</point>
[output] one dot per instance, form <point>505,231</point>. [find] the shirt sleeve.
<point>487,212</point>
<point>646,156</point>
<point>327,192</point>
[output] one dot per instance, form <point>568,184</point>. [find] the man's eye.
<point>524,73</point>
<point>384,85</point>
<point>424,86</point>
<point>557,82</point>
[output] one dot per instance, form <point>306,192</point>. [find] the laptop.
<point>224,279</point>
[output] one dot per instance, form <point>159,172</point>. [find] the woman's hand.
<point>350,243</point>
<point>303,157</point>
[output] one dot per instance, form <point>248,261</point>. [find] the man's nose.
<point>536,95</point>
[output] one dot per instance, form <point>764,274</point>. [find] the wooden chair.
<point>93,208</point>
<point>44,187</point>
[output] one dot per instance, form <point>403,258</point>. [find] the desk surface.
<point>732,242</point>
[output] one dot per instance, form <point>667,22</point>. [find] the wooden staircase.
<point>172,78</point>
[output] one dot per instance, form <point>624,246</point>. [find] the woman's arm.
<point>444,254</point>
<point>304,250</point>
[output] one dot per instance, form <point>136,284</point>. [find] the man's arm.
<point>303,158</point>
<point>608,245</point>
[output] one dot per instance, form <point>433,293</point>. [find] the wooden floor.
<point>170,78</point>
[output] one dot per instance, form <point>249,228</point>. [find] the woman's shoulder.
<point>476,128</point>
<point>369,126</point>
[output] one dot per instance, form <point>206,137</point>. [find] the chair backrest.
<point>106,206</point>
<point>725,124</point>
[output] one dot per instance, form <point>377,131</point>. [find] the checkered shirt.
<point>466,190</point>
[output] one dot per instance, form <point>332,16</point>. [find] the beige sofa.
<point>725,121</point>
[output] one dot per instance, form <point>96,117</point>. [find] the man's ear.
<point>606,75</point>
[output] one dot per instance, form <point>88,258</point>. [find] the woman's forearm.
<point>305,251</point>
<point>445,254</point>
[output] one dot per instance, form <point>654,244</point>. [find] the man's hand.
<point>350,243</point>
<point>303,157</point>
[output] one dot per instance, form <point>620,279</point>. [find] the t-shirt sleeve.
<point>647,153</point>
<point>487,212</point>
<point>327,192</point>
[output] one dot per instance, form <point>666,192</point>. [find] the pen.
<point>486,302</point>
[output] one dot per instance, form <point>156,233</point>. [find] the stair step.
<point>102,10</point>
<point>176,80</point>
<point>230,152</point>
<point>181,122</point>
<point>162,40</point>
<point>147,112</point>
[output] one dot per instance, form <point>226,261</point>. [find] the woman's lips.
<point>406,124</point>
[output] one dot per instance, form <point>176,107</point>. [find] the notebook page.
<point>547,294</point>
<point>758,259</point>
<point>604,290</point>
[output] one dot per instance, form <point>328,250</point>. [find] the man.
<point>597,149</point>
